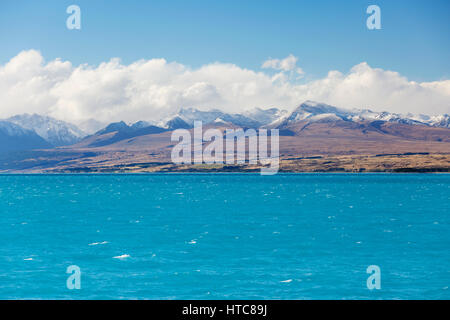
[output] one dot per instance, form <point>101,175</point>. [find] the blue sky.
<point>324,35</point>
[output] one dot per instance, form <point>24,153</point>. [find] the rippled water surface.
<point>225,236</point>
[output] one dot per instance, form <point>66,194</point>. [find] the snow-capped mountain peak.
<point>13,137</point>
<point>12,129</point>
<point>141,124</point>
<point>442,120</point>
<point>56,132</point>
<point>310,109</point>
<point>266,116</point>
<point>221,121</point>
<point>314,111</point>
<point>187,116</point>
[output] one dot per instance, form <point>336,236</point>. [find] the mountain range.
<point>309,110</point>
<point>311,129</point>
<point>57,133</point>
<point>313,111</point>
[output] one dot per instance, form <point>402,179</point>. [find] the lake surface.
<point>225,236</point>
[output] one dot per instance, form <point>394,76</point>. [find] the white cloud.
<point>150,89</point>
<point>300,71</point>
<point>287,64</point>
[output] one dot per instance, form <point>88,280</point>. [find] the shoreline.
<point>318,163</point>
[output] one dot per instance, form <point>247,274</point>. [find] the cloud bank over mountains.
<point>152,89</point>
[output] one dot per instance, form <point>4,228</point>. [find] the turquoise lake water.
<point>225,236</point>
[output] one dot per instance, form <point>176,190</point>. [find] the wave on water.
<point>122,257</point>
<point>97,243</point>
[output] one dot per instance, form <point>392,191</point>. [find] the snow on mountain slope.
<point>141,124</point>
<point>189,115</point>
<point>314,111</point>
<point>60,133</point>
<point>442,120</point>
<point>265,117</point>
<point>310,111</point>
<point>56,132</point>
<point>13,137</point>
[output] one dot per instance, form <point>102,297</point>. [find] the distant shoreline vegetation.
<point>414,163</point>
